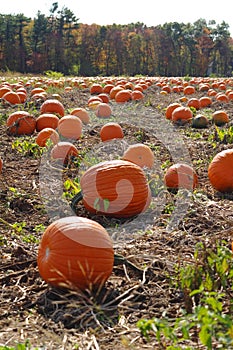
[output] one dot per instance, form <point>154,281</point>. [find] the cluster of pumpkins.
<point>77,252</point>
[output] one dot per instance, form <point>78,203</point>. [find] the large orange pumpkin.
<point>116,188</point>
<point>52,106</point>
<point>181,175</point>
<point>21,123</point>
<point>111,131</point>
<point>11,97</point>
<point>182,115</point>
<point>220,171</point>
<point>76,253</point>
<point>70,127</point>
<point>46,120</point>
<point>170,108</point>
<point>139,154</point>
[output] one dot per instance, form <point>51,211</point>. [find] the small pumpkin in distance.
<point>220,171</point>
<point>116,188</point>
<point>181,175</point>
<point>139,154</point>
<point>110,131</point>
<point>1,164</point>
<point>76,253</point>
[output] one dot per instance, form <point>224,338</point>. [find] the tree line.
<point>59,42</point>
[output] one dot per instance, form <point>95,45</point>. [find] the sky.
<point>149,12</point>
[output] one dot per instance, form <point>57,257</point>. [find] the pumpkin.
<point>220,171</point>
<point>104,97</point>
<point>82,114</point>
<point>170,108</point>
<point>103,110</point>
<point>21,123</point>
<point>193,102</point>
<point>205,101</point>
<point>123,95</point>
<point>76,253</point>
<point>137,95</point>
<point>70,127</point>
<point>4,89</point>
<point>1,164</point>
<point>116,188</point>
<point>223,98</point>
<point>52,106</point>
<point>200,121</point>
<point>111,131</point>
<point>46,120</point>
<point>45,134</point>
<point>11,97</point>
<point>63,150</point>
<point>96,88</point>
<point>182,115</point>
<point>220,117</point>
<point>139,154</point>
<point>189,90</point>
<point>181,175</point>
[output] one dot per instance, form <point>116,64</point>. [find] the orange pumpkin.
<point>181,175</point>
<point>123,95</point>
<point>21,123</point>
<point>205,101</point>
<point>189,90</point>
<point>193,102</point>
<point>11,97</point>
<point>63,150</point>
<point>140,154</point>
<point>111,131</point>
<point>47,120</point>
<point>75,253</point>
<point>52,106</point>
<point>137,95</point>
<point>70,127</point>
<point>116,188</point>
<point>82,114</point>
<point>170,108</point>
<point>220,171</point>
<point>182,114</point>
<point>103,110</point>
<point>96,88</point>
<point>220,117</point>
<point>45,134</point>
<point>1,164</point>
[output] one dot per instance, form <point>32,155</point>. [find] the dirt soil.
<point>50,318</point>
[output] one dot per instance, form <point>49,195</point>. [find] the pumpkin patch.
<point>113,203</point>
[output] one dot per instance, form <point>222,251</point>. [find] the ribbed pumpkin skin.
<point>181,176</point>
<point>21,123</point>
<point>116,188</point>
<point>75,252</point>
<point>220,171</point>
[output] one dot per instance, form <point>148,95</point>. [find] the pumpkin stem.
<point>77,198</point>
<point>121,260</point>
